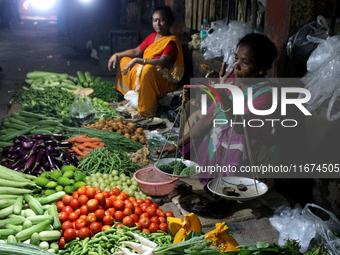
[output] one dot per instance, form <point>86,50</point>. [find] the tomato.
<point>63,216</point>
<point>111,211</point>
<point>83,199</point>
<point>138,211</point>
<point>100,197</point>
<point>135,217</point>
<point>148,201</point>
<point>68,209</point>
<point>127,211</point>
<point>135,204</point>
<point>108,203</point>
<point>145,230</point>
<point>77,212</point>
<point>91,217</point>
<point>81,223</point>
<point>151,211</point>
<point>97,190</point>
<point>153,227</point>
<point>119,204</point>
<point>106,194</point>
<point>169,214</point>
<point>128,221</point>
<point>81,191</point>
<point>105,227</point>
<point>124,194</point>
<point>116,191</point>
<point>161,214</point>
<point>66,199</point>
<point>92,204</point>
<point>74,203</point>
<point>113,198</point>
<point>84,210</point>
<point>145,222</point>
<point>82,217</point>
<point>95,227</point>
<point>144,206</point>
<point>99,213</point>
<point>155,219</point>
<point>73,217</point>
<point>111,193</point>
<point>121,197</point>
<point>84,232</point>
<point>77,232</point>
<point>61,243</point>
<point>162,219</point>
<point>108,220</point>
<point>119,225</point>
<point>144,215</point>
<point>139,226</point>
<point>66,224</point>
<point>119,216</point>
<point>70,234</point>
<point>140,200</point>
<point>154,205</point>
<point>75,195</point>
<point>132,199</point>
<point>163,227</point>
<point>60,206</point>
<point>129,204</point>
<point>90,192</point>
<point>74,225</point>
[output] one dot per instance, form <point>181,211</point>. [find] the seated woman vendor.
<point>208,145</point>
<point>160,69</point>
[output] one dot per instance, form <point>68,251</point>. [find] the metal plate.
<point>168,160</point>
<point>233,181</point>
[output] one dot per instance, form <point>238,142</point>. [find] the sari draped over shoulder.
<point>151,82</point>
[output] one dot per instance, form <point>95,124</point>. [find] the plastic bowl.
<point>154,183</point>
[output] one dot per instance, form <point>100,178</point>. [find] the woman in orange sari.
<point>160,69</point>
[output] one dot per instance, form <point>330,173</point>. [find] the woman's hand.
<point>112,61</point>
<point>223,75</point>
<point>129,66</point>
<point>168,149</point>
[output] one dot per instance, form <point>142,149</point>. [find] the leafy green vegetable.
<point>105,90</point>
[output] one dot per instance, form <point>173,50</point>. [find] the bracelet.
<point>144,61</point>
<point>176,145</point>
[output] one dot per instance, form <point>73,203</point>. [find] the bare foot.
<point>124,102</point>
<point>138,116</point>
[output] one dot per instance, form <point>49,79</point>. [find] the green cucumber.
<point>15,135</point>
<point>41,131</point>
<point>16,121</point>
<point>47,123</point>
<point>31,115</point>
<point>81,77</point>
<point>5,144</point>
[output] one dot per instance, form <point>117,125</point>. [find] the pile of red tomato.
<point>89,211</point>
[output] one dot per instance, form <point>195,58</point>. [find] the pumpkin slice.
<point>179,228</point>
<point>221,238</point>
<point>192,223</point>
<point>174,224</point>
<point>180,235</point>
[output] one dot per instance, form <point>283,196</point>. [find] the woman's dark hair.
<point>263,49</point>
<point>166,10</point>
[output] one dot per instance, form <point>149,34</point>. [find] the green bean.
<point>85,251</point>
<point>100,250</point>
<point>104,238</point>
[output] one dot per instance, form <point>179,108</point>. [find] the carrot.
<point>84,140</point>
<point>90,145</point>
<point>101,144</point>
<point>78,151</point>
<point>80,147</point>
<point>73,139</point>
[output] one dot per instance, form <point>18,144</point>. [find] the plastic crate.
<point>121,40</point>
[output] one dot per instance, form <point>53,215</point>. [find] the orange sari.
<point>151,82</point>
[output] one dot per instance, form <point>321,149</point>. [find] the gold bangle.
<point>176,145</point>
<point>144,61</point>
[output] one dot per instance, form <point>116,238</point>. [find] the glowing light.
<point>42,4</point>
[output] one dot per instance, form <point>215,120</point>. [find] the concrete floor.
<point>35,45</point>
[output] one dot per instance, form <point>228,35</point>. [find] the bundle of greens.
<point>105,90</point>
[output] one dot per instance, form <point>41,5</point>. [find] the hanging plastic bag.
<point>132,97</point>
<point>82,110</point>
<point>302,225</point>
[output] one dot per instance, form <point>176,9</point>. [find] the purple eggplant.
<point>14,156</point>
<point>29,162</point>
<point>16,149</point>
<point>43,136</point>
<point>6,150</point>
<point>35,147</point>
<point>65,144</point>
<point>28,172</point>
<point>27,144</point>
<point>16,142</point>
<point>52,149</point>
<point>23,138</point>
<point>58,137</point>
<point>21,166</point>
<point>48,157</point>
<point>38,159</point>
<point>37,172</point>
<point>51,143</point>
<point>45,164</point>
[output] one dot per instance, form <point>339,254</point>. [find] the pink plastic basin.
<point>154,183</point>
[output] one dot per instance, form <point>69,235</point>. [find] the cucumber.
<point>52,235</point>
<point>31,115</point>
<point>36,208</point>
<point>6,202</point>
<point>4,233</point>
<point>41,131</point>
<point>13,221</point>
<point>15,135</point>
<point>81,77</point>
<point>47,123</point>
<point>88,77</point>
<point>15,126</point>
<point>17,228</point>
<point>18,205</point>
<point>5,144</point>
<point>35,239</point>
<point>11,239</point>
<point>27,224</point>
<point>47,128</point>
<point>29,213</point>
<point>16,121</point>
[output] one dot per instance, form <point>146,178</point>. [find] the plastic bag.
<point>222,41</point>
<point>82,110</point>
<point>132,97</point>
<point>303,43</point>
<point>322,78</point>
<point>302,225</point>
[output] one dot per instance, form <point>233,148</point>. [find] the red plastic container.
<point>154,183</point>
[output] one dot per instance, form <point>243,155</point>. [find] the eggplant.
<point>23,138</point>
<point>38,159</point>
<point>16,149</point>
<point>28,172</point>
<point>21,166</point>
<point>65,144</point>
<point>37,172</point>
<point>16,141</point>
<point>27,144</point>
<point>29,162</point>
<point>58,137</point>
<point>52,149</point>
<point>14,156</point>
<point>52,143</point>
<point>48,157</point>
<point>56,159</point>
<point>5,150</point>
<point>43,136</point>
<point>45,164</point>
<point>35,147</point>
